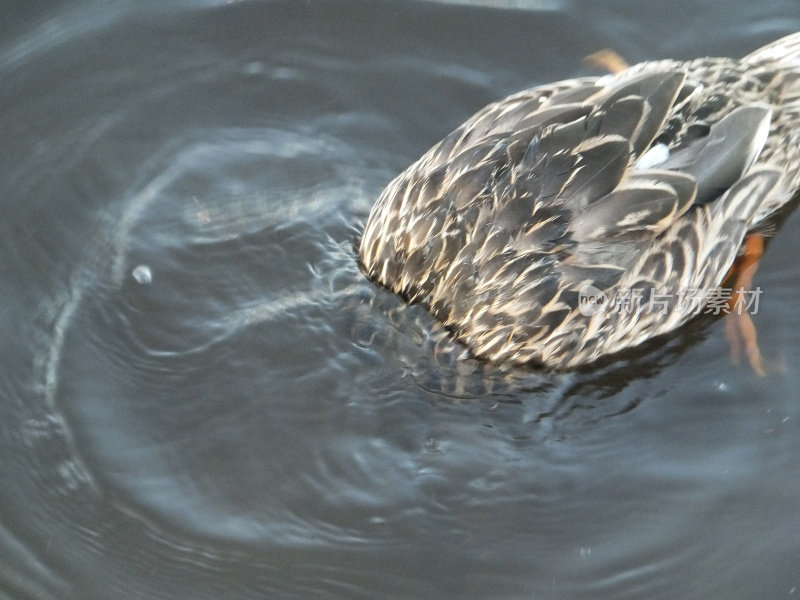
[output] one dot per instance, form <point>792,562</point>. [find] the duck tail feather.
<point>785,51</point>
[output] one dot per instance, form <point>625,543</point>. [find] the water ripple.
<point>203,397</point>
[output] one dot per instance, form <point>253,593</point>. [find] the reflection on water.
<point>202,397</point>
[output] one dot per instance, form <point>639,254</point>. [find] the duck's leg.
<point>606,59</point>
<point>739,326</point>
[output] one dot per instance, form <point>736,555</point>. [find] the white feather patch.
<point>655,156</point>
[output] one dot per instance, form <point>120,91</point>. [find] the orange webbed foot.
<point>739,326</point>
<point>606,59</point>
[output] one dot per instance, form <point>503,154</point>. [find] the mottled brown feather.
<point>640,183</point>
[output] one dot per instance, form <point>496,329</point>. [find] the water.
<point>201,397</point>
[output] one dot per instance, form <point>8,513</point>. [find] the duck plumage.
<point>641,183</point>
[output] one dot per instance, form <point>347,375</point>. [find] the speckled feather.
<point>641,182</point>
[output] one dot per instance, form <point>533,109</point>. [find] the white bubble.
<point>142,274</point>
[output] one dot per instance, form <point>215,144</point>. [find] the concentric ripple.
<point>202,397</point>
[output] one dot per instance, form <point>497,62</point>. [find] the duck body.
<point>640,184</point>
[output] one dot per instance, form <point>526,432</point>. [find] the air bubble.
<point>142,275</point>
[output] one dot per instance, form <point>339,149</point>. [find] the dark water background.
<point>258,421</point>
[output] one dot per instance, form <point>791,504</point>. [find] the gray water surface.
<point>202,397</point>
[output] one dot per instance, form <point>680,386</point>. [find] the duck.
<point>571,221</point>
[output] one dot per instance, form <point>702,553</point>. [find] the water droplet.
<point>142,275</point>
